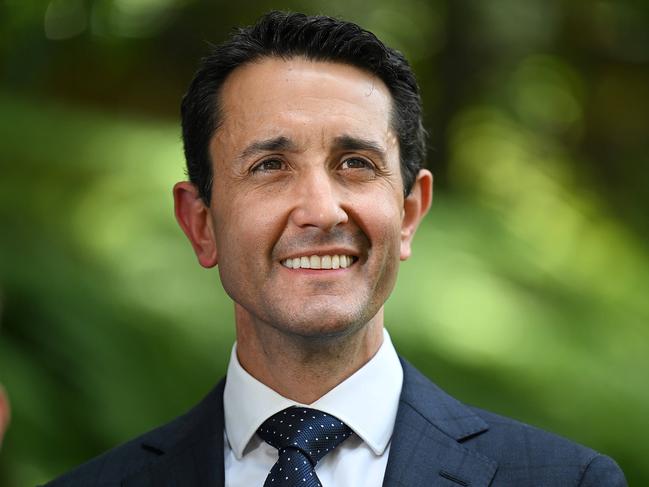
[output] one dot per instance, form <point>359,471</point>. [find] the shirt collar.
<point>367,401</point>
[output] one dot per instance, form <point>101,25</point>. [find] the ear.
<point>415,207</point>
<point>195,220</point>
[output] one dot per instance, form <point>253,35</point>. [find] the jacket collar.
<point>426,447</point>
<point>427,444</point>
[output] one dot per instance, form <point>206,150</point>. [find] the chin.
<point>325,323</point>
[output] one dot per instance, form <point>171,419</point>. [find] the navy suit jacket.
<point>437,441</point>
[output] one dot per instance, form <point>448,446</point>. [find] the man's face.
<point>306,175</point>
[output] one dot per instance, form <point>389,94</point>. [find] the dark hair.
<point>319,38</point>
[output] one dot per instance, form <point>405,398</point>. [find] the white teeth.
<point>319,262</point>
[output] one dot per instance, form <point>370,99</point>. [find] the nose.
<point>319,202</point>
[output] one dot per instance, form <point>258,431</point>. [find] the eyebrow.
<point>351,143</point>
<point>283,143</point>
<point>280,143</point>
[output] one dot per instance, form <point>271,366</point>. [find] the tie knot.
<point>311,431</point>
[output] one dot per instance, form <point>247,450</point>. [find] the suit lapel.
<point>190,450</point>
<point>426,448</point>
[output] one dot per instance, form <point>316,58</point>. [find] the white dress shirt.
<point>367,402</point>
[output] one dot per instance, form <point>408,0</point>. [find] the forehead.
<point>272,96</point>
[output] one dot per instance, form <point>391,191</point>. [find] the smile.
<point>319,262</point>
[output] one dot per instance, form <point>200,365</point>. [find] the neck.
<point>307,367</point>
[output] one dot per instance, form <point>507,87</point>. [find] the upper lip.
<point>321,252</point>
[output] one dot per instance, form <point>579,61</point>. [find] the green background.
<point>528,290</point>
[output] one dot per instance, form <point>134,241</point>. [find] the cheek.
<point>247,229</point>
<point>381,216</point>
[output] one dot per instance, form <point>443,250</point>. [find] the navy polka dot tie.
<point>302,436</point>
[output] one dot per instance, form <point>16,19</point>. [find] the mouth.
<point>336,261</point>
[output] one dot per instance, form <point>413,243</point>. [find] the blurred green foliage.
<point>527,292</point>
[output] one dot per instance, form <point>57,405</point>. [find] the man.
<point>304,147</point>
<point>5,413</point>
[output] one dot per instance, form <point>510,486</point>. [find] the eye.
<point>356,163</point>
<point>268,165</point>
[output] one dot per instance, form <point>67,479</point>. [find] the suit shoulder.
<point>109,468</point>
<point>521,449</point>
<point>114,466</point>
<point>515,433</point>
